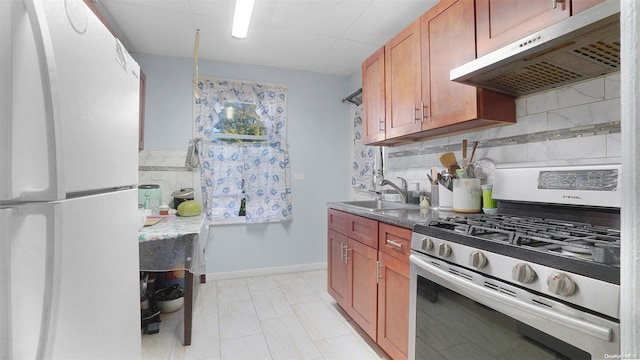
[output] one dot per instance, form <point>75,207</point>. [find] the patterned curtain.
<point>363,156</point>
<point>254,170</point>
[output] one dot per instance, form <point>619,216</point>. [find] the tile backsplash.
<point>166,168</point>
<point>577,124</point>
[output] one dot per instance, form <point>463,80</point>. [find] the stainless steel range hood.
<point>578,48</point>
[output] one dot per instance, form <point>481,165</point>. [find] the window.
<point>238,122</point>
<point>244,152</point>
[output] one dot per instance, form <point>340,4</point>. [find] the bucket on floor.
<point>169,278</point>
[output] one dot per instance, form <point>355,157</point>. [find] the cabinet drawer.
<point>337,221</point>
<point>362,229</point>
<point>395,241</point>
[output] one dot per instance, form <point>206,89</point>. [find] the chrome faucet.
<point>404,193</point>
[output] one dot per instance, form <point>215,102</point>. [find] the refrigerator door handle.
<point>5,282</point>
<point>18,243</point>
<point>48,79</point>
<point>53,275</point>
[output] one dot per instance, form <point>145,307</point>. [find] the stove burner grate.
<point>563,238</point>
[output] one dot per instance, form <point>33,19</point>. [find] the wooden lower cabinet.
<point>351,278</point>
<point>369,278</point>
<point>394,247</point>
<point>337,267</point>
<point>362,287</point>
<point>393,306</point>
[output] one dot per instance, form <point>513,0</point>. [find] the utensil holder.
<point>445,197</point>
<point>435,201</point>
<point>467,195</point>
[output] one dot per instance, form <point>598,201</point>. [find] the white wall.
<point>319,135</point>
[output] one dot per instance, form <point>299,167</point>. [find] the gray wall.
<point>319,135</point>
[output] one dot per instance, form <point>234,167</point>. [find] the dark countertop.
<point>404,218</point>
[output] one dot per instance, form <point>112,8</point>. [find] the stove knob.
<point>427,244</point>
<point>523,273</point>
<point>477,259</point>
<point>561,284</point>
<point>444,250</point>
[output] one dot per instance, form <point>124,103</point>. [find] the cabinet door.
<point>395,241</point>
<point>363,229</point>
<point>451,36</point>
<point>337,276</point>
<point>373,98</point>
<point>403,84</point>
<point>337,220</point>
<point>581,5</point>
<point>393,306</point>
<point>501,22</point>
<point>363,288</point>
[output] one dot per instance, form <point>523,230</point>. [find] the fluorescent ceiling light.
<point>241,18</point>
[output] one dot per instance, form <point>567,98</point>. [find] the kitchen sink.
<point>380,205</point>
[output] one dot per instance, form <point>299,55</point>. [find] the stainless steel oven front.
<point>458,313</point>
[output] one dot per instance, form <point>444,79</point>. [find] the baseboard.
<point>266,271</point>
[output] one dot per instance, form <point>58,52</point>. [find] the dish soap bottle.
<point>415,195</point>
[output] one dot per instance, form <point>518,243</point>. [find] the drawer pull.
<point>394,243</point>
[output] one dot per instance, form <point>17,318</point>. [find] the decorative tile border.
<point>581,131</point>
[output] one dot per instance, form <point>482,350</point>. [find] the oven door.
<point>457,314</point>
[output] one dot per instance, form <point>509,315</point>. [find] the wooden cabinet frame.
<point>368,276</point>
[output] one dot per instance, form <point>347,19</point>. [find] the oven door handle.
<point>514,305</point>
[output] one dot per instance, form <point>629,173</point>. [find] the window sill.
<point>239,221</point>
<point>231,221</point>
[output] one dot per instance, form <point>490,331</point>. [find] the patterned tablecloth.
<point>175,243</point>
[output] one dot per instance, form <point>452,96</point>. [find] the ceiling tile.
<point>344,57</point>
<point>328,17</point>
<point>327,36</point>
<point>383,19</point>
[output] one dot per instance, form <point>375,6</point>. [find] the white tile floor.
<point>285,316</point>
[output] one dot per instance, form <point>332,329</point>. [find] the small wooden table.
<point>176,243</point>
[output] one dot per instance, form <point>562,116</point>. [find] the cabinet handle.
<point>416,113</point>
<point>423,107</point>
<point>394,243</point>
<point>554,3</point>
<point>346,255</point>
<point>343,252</point>
<point>380,125</point>
<point>378,272</point>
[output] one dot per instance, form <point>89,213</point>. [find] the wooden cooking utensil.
<point>464,152</point>
<point>452,170</point>
<point>473,152</point>
<point>447,159</point>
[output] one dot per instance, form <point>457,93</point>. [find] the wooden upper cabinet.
<point>373,98</point>
<point>451,36</point>
<point>448,28</point>
<point>501,22</point>
<point>403,85</point>
<point>421,101</point>
<point>581,5</point>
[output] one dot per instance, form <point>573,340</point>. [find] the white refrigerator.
<point>69,105</point>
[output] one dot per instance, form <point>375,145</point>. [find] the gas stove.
<point>556,234</point>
